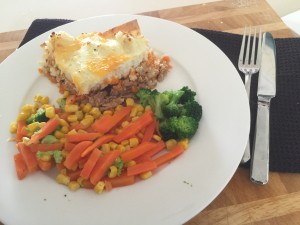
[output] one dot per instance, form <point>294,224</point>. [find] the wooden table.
<point>241,202</point>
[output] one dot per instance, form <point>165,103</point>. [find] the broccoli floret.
<point>39,116</point>
<point>143,95</point>
<point>178,128</point>
<point>192,109</point>
<point>172,108</point>
<point>188,95</point>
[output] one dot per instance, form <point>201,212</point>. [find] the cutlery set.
<point>261,59</point>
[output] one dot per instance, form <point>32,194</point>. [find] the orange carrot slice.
<point>121,181</point>
<point>100,141</point>
<point>75,155</point>
<point>90,164</point>
<point>141,168</point>
<point>29,157</point>
<point>78,137</point>
<point>20,166</point>
<point>137,151</point>
<point>102,166</point>
<point>174,152</point>
<point>45,165</point>
<point>35,147</point>
<point>149,131</point>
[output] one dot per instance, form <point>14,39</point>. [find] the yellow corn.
<point>70,108</point>
<point>73,185</point>
<point>170,143</point>
<point>99,187</point>
<point>79,114</point>
<point>95,112</point>
<point>63,171</point>
<point>38,98</point>
<point>44,100</point>
<point>113,171</point>
<point>62,140</point>
<point>121,148</point>
<point>139,113</point>
<point>50,112</point>
<point>87,107</point>
<point>125,142</point>
<point>80,181</point>
<point>46,157</point>
<point>139,108</point>
<point>133,112</point>
<point>125,123</point>
<point>73,131</point>
<point>23,116</point>
<point>184,143</point>
<point>129,101</point>
<point>66,94</point>
<point>81,131</point>
<point>146,175</point>
<point>58,134</point>
<point>113,145</point>
<point>118,107</point>
<point>131,163</point>
<point>156,137</point>
<point>13,128</point>
<point>62,179</point>
<point>41,124</point>
<point>64,129</point>
<point>27,108</point>
<point>33,126</point>
<point>107,112</point>
<point>72,118</point>
<point>133,142</point>
<point>87,121</point>
<point>64,153</point>
<point>105,148</point>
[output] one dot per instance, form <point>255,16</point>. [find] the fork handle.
<point>248,77</point>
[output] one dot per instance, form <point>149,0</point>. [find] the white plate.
<point>175,193</point>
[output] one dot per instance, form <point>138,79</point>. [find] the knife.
<point>259,169</point>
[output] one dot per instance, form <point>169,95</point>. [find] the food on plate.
<point>93,148</point>
<point>103,69</point>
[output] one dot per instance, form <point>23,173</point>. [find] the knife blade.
<point>259,169</point>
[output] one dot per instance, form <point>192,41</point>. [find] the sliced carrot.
<point>75,155</point>
<point>69,146</point>
<point>29,157</point>
<point>90,164</point>
<point>107,185</point>
<point>102,166</point>
<point>74,175</point>
<point>121,181</point>
<point>148,134</point>
<point>137,151</point>
<point>49,127</point>
<point>20,125</point>
<point>60,166</point>
<point>174,152</point>
<point>82,137</point>
<point>107,122</point>
<point>44,165</point>
<point>159,146</point>
<point>100,141</point>
<point>87,184</point>
<point>134,127</point>
<point>35,147</point>
<point>141,168</point>
<point>20,166</point>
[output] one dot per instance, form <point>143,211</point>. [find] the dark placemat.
<point>285,107</point>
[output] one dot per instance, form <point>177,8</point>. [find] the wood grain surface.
<point>241,202</point>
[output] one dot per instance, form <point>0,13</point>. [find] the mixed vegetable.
<point>102,150</point>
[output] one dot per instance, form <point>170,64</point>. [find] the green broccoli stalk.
<point>39,116</point>
<point>192,109</point>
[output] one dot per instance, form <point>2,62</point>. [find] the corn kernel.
<point>44,100</point>
<point>64,153</point>
<point>50,112</point>
<point>146,175</point>
<point>129,101</point>
<point>156,137</point>
<point>133,142</point>
<point>131,163</point>
<point>148,107</point>
<point>95,112</point>
<point>38,98</point>
<point>139,108</point>
<point>107,112</point>
<point>62,122</point>
<point>62,179</point>
<point>63,171</point>
<point>133,112</point>
<point>23,116</point>
<point>184,143</point>
<point>70,108</point>
<point>64,129</point>
<point>113,172</point>
<point>79,114</point>
<point>86,122</point>
<point>125,142</point>
<point>62,140</point>
<point>113,145</point>
<point>87,108</point>
<point>58,134</point>
<point>80,131</point>
<point>105,148</point>
<point>99,187</point>
<point>27,108</point>
<point>13,128</point>
<point>33,126</point>
<point>121,148</point>
<point>125,123</point>
<point>66,94</point>
<point>80,181</point>
<point>118,108</point>
<point>73,185</point>
<point>134,118</point>
<point>72,118</point>
<point>73,131</point>
<point>139,114</point>
<point>45,157</point>
<point>170,143</point>
<point>41,124</point>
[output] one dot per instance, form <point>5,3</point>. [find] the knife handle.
<point>259,170</point>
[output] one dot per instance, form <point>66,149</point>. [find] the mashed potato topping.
<point>90,59</point>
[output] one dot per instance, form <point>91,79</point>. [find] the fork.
<point>249,64</point>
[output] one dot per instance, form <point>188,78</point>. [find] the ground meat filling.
<point>106,97</point>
